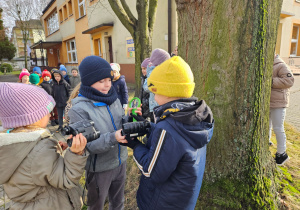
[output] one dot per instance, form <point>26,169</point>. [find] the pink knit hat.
<point>22,104</point>
<point>158,56</point>
<point>145,63</point>
<point>23,73</point>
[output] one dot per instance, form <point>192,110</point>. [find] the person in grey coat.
<point>74,79</point>
<point>34,173</point>
<point>98,101</point>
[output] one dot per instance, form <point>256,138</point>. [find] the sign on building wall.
<point>130,47</point>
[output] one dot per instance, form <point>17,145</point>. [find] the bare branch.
<point>123,17</point>
<point>128,11</point>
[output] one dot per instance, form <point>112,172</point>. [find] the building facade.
<point>288,37</point>
<point>78,28</point>
<point>35,32</point>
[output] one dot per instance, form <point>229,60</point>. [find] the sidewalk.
<point>293,112</point>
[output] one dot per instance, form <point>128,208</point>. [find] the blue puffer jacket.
<point>152,102</point>
<point>121,88</point>
<point>173,160</point>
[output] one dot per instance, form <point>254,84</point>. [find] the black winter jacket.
<point>61,90</point>
<point>47,86</point>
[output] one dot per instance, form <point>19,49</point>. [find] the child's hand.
<point>63,145</point>
<point>138,110</point>
<point>78,144</point>
<point>119,137</point>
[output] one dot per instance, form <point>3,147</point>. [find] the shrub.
<point>7,66</point>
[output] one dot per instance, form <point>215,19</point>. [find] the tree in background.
<point>7,49</point>
<point>23,11</point>
<point>230,48</point>
<point>141,29</point>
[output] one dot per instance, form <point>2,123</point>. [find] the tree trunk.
<point>230,48</point>
<point>141,30</point>
<point>25,53</point>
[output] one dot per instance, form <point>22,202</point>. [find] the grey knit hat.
<point>158,56</point>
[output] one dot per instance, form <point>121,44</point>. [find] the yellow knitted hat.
<point>172,78</point>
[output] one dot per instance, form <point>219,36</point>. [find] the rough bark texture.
<point>230,48</point>
<point>141,30</point>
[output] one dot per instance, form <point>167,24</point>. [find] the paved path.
<point>293,112</point>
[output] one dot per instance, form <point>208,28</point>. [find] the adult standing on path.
<point>282,80</point>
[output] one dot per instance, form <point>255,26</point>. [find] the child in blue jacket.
<point>172,161</point>
<point>119,84</point>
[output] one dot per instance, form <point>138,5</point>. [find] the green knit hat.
<point>34,79</point>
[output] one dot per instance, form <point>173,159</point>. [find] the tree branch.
<point>121,14</point>
<point>152,14</point>
<point>128,11</point>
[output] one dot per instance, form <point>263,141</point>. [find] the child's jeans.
<point>111,183</point>
<point>60,111</point>
<point>277,116</point>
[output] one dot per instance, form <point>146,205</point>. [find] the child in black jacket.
<point>61,93</point>
<point>47,86</point>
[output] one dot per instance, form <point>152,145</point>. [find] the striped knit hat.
<point>22,104</point>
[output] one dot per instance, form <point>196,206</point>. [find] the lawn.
<point>13,72</point>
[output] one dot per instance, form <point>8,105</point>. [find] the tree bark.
<point>230,48</point>
<point>141,30</point>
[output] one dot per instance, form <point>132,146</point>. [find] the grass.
<point>290,171</point>
<point>13,72</point>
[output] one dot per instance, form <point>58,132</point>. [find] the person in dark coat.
<point>172,161</point>
<point>119,84</point>
<point>64,72</point>
<point>144,96</point>
<point>61,93</point>
<point>47,86</point>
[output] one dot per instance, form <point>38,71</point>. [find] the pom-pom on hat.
<point>173,78</point>
<point>145,63</point>
<point>46,73</point>
<point>37,70</point>
<point>94,68</point>
<point>34,79</point>
<point>158,56</point>
<point>62,68</point>
<point>23,73</point>
<point>115,67</point>
<point>22,104</point>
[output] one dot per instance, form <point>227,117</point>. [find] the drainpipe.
<point>170,26</point>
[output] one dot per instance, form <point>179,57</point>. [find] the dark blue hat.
<point>93,69</point>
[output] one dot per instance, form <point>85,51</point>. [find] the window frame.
<point>295,40</point>
<point>71,51</point>
<point>52,23</point>
<point>81,4</point>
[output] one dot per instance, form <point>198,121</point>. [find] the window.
<point>70,7</point>
<point>65,12</point>
<point>71,51</point>
<point>52,23</point>
<point>81,7</point>
<point>61,18</point>
<point>294,43</point>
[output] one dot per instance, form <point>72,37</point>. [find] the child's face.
<point>160,99</point>
<point>116,73</point>
<point>144,71</point>
<point>63,73</point>
<point>25,79</point>
<point>44,121</point>
<point>57,77</point>
<point>74,73</point>
<point>103,85</point>
<point>46,78</point>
